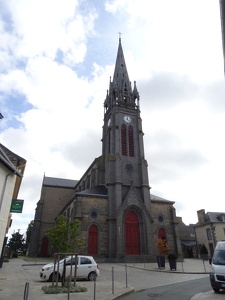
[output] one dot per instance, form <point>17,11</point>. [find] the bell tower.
<point>126,174</point>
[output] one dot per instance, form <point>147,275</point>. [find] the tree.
<point>162,247</point>
<point>17,243</point>
<point>65,235</point>
<point>28,233</point>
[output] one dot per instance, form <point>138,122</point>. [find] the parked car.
<point>87,268</point>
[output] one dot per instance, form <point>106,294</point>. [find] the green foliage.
<point>28,232</point>
<point>14,254</point>
<point>59,290</point>
<point>171,256</point>
<point>162,247</point>
<point>17,243</point>
<point>65,235</point>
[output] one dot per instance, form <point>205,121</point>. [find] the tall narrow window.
<point>109,141</point>
<point>124,139</point>
<point>131,140</point>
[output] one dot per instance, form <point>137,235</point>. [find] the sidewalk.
<point>13,278</point>
<point>15,274</point>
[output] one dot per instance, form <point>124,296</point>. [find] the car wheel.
<point>92,276</point>
<point>51,276</point>
<point>216,290</point>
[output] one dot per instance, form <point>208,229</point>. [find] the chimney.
<point>201,216</point>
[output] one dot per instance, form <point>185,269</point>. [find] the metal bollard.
<point>126,273</point>
<point>112,280</point>
<point>26,290</point>
<point>94,288</point>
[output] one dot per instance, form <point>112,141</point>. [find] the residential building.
<point>209,229</point>
<point>12,167</point>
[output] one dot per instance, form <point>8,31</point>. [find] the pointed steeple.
<point>120,77</point>
<point>120,91</point>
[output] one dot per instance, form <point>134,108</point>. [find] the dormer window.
<point>221,218</point>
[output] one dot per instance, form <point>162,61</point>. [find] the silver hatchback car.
<point>87,268</point>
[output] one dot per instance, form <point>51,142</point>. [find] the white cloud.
<point>56,56</point>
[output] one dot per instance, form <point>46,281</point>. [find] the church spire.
<point>121,78</point>
<point>120,91</point>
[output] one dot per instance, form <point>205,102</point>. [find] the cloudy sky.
<point>56,58</point>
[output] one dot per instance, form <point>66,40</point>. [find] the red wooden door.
<point>161,233</point>
<point>93,240</point>
<point>44,247</point>
<point>132,233</point>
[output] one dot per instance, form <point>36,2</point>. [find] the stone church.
<point>118,214</point>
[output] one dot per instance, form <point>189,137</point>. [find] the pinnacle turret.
<point>120,90</point>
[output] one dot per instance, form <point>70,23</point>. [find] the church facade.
<point>118,215</point>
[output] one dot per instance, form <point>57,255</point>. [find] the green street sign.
<point>16,206</point>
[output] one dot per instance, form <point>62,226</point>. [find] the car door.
<point>68,267</point>
<point>85,266</point>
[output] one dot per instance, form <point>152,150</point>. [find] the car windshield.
<point>219,257</point>
<point>68,260</point>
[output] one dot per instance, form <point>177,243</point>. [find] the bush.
<point>59,290</point>
<point>162,247</point>
<point>172,256</point>
<point>14,254</point>
<point>204,249</point>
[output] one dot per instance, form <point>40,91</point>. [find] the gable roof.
<point>155,198</point>
<point>10,160</point>
<point>214,217</point>
<point>59,182</point>
<point>98,190</point>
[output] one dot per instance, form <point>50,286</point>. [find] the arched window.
<point>124,139</point>
<point>131,140</point>
<point>109,145</point>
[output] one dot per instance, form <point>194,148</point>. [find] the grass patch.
<point>60,290</point>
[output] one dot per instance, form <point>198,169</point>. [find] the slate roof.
<point>98,190</point>
<point>59,182</point>
<point>155,198</point>
<point>214,217</point>
<point>5,160</point>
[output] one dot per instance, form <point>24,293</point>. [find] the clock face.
<point>127,119</point>
<point>109,122</point>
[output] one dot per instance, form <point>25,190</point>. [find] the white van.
<point>217,273</point>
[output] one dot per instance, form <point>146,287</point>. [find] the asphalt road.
<point>179,291</point>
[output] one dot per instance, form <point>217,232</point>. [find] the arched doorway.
<point>44,247</point>
<point>161,233</point>
<point>93,240</point>
<point>132,232</point>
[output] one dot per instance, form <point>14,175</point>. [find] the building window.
<point>124,139</point>
<point>127,140</point>
<point>209,233</point>
<point>160,218</point>
<point>93,213</point>
<point>131,140</point>
<point>109,141</point>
